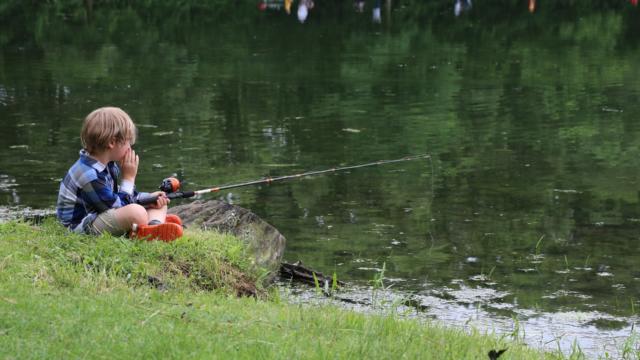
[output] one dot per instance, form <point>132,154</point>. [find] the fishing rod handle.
<point>149,200</point>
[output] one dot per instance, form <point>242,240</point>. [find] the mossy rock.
<point>262,239</point>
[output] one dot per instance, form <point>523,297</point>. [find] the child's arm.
<point>129,165</point>
<point>127,190</point>
<point>98,195</point>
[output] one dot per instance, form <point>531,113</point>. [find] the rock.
<point>262,239</point>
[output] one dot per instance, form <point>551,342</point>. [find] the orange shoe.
<point>166,232</point>
<point>171,218</point>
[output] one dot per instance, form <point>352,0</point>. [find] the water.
<point>531,120</point>
<point>472,309</point>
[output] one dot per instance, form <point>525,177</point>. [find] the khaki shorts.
<point>107,222</point>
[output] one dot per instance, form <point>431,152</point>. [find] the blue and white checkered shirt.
<point>88,189</point>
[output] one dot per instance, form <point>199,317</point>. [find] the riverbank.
<point>64,295</point>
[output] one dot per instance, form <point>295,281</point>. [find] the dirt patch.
<point>262,239</point>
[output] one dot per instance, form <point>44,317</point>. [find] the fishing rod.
<point>171,186</point>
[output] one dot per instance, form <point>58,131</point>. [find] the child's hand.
<point>129,165</point>
<point>163,200</point>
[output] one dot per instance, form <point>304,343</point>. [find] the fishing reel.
<point>170,185</point>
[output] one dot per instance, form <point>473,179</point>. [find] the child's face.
<point>120,149</point>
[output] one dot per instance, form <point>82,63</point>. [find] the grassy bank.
<point>69,296</point>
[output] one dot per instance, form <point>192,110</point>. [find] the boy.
<point>90,201</point>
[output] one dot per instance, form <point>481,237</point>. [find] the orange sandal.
<point>171,218</point>
<point>166,232</point>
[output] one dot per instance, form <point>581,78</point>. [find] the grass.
<point>72,296</point>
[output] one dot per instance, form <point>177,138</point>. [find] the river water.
<point>526,212</point>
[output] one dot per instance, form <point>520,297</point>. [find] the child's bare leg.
<point>158,215</point>
<point>131,214</point>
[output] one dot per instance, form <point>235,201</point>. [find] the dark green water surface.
<point>529,203</point>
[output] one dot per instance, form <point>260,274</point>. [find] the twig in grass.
<point>3,263</point>
<point>10,301</point>
<point>154,314</point>
<point>150,317</point>
<point>261,342</point>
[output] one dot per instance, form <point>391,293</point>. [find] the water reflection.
<point>377,18</point>
<point>305,6</point>
<point>273,5</point>
<point>461,6</point>
<point>303,9</point>
<point>359,6</point>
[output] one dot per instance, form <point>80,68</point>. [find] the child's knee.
<point>155,211</point>
<point>134,214</point>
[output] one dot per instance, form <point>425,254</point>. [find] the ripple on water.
<point>567,293</point>
<point>8,213</point>
<point>472,295</point>
<point>7,182</point>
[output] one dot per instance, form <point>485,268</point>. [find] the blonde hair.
<point>104,125</point>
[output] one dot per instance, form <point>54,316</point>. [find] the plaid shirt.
<point>88,189</point>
